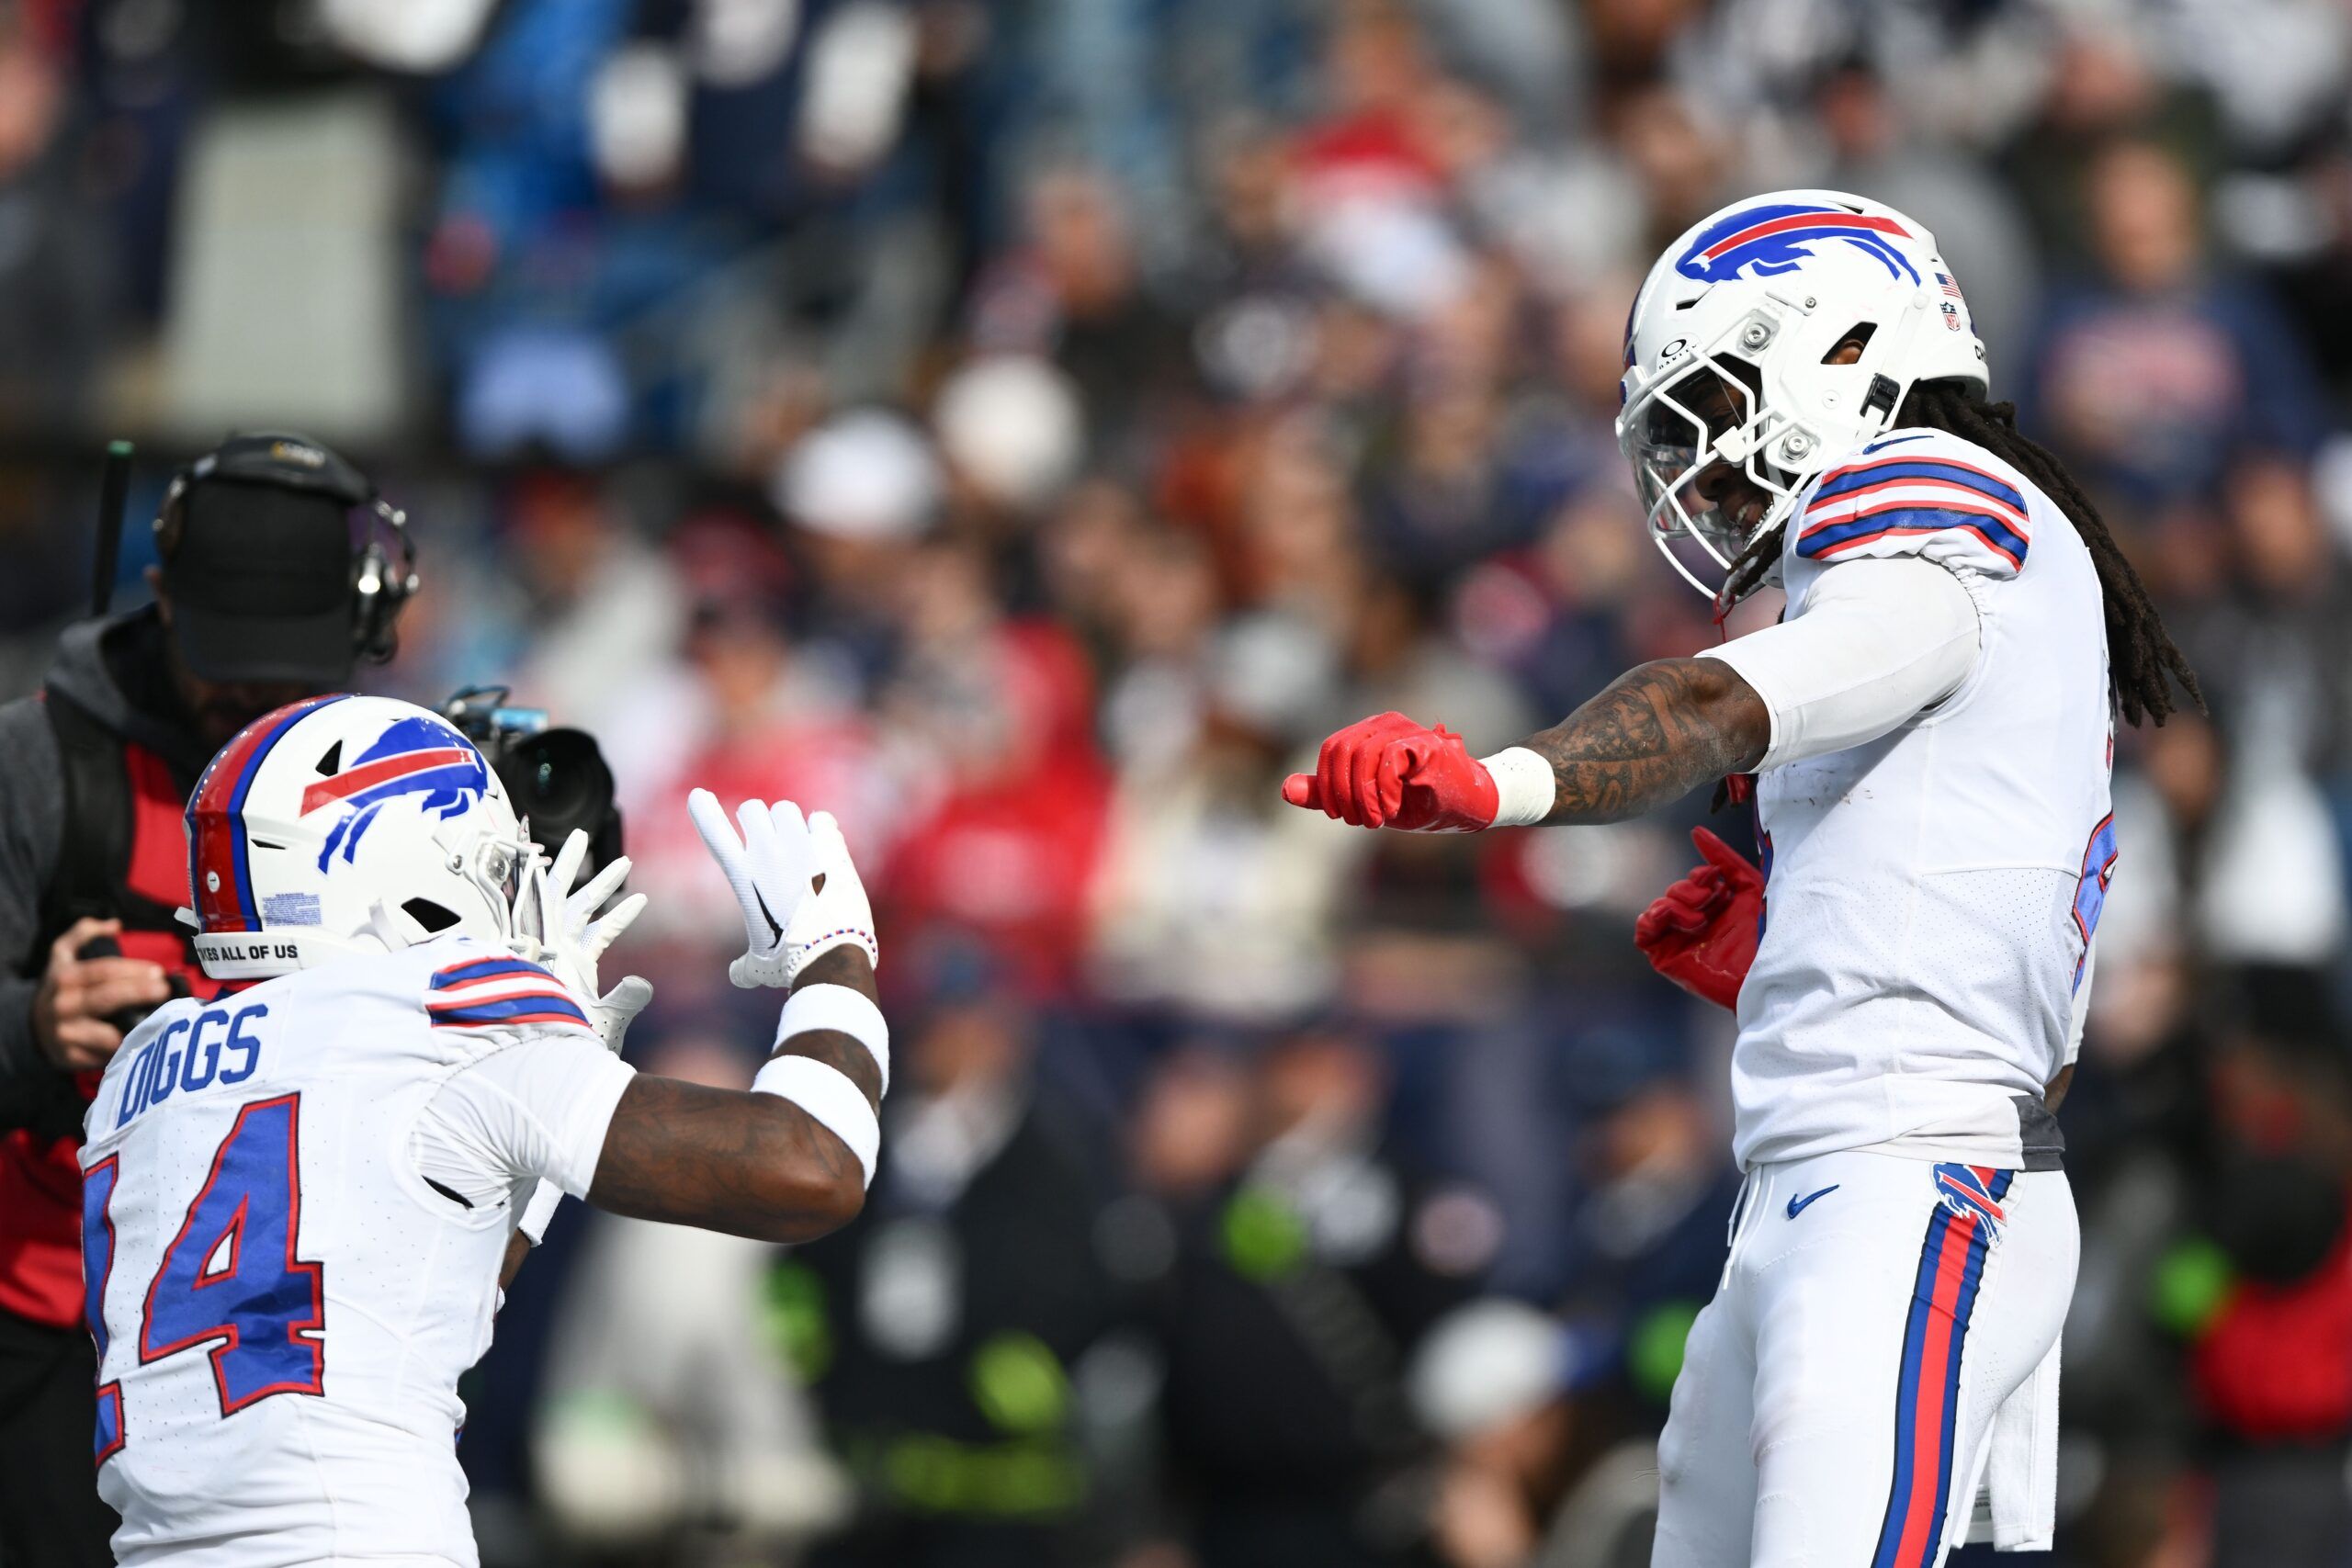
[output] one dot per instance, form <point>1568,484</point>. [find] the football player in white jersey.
<point>1930,725</point>
<point>298,1196</point>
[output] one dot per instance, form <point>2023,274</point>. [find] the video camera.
<point>557,778</point>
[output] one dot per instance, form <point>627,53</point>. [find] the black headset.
<point>383,563</point>
<point>382,580</point>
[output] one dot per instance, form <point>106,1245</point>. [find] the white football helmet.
<point>347,824</point>
<point>1727,346</point>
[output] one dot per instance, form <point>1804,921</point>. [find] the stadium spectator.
<point>1309,1260</point>
<point>947,1342</point>
<point>2161,368</point>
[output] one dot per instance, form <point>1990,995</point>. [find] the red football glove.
<point>1387,772</point>
<point>1702,932</point>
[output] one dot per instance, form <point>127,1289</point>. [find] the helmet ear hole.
<point>1859,336</point>
<point>433,917</point>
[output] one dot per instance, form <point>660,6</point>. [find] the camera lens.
<point>558,778</point>
<point>562,777</point>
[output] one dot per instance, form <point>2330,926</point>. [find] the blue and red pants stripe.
<point>1951,1266</point>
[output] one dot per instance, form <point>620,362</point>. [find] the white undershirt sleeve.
<point>536,1109</point>
<point>1879,641</point>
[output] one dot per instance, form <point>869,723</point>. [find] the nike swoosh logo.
<point>1798,1205</point>
<point>776,931</point>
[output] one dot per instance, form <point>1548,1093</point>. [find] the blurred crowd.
<point>1023,427</point>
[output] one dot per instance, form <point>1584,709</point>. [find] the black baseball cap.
<point>260,574</point>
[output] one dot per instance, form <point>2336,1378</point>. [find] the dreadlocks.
<point>2144,662</point>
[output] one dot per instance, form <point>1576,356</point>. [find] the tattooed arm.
<point>748,1164</point>
<point>1880,642</point>
<point>1657,732</point>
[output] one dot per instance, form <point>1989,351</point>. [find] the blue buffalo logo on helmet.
<point>1761,242</point>
<point>413,756</point>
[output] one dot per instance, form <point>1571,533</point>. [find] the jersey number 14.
<point>230,1279</point>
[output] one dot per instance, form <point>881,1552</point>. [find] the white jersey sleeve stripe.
<point>1922,490</point>
<point>1903,520</point>
<point>1849,477</point>
<point>510,1012</point>
<point>499,993</point>
<point>1917,492</point>
<point>474,971</point>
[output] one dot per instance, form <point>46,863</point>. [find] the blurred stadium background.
<point>1024,427</point>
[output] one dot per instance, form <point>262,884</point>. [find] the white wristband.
<point>843,1010</point>
<point>827,1094</point>
<point>1525,786</point>
<point>539,1211</point>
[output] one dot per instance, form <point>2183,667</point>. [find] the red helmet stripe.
<point>220,880</point>
<point>1826,219</point>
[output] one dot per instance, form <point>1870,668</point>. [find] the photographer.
<point>280,570</point>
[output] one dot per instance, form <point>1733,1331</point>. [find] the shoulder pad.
<point>1918,493</point>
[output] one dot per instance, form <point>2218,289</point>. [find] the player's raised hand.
<point>581,926</point>
<point>837,914</point>
<point>569,936</point>
<point>1387,772</point>
<point>1702,932</point>
<point>770,866</point>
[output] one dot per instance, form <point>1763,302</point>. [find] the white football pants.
<point>1837,1400</point>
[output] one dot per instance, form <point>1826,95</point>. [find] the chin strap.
<point>1736,789</point>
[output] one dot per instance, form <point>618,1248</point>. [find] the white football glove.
<point>769,867</point>
<point>836,915</point>
<point>560,928</point>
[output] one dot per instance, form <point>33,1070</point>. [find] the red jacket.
<point>40,1179</point>
<point>2276,1362</point>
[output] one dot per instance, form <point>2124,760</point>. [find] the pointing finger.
<point>710,821</point>
<point>1331,776</point>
